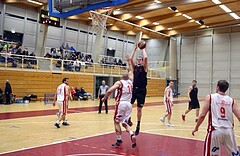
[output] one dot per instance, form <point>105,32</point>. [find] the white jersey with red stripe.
<point>61,92</point>
<point>221,113</point>
<point>170,94</point>
<point>124,93</point>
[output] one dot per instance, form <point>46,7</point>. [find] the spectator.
<point>120,62</point>
<point>73,49</point>
<point>73,92</point>
<point>29,66</point>
<point>8,92</point>
<point>14,63</point>
<point>25,52</point>
<point>67,47</point>
<point>62,47</point>
<point>77,65</point>
<point>32,54</point>
<point>84,93</point>
<point>19,51</point>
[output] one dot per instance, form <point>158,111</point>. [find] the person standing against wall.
<point>8,92</point>
<point>101,93</point>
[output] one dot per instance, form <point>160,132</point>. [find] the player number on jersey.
<point>129,89</point>
<point>223,112</point>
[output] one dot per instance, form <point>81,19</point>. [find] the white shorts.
<point>169,107</point>
<point>219,137</point>
<point>123,111</point>
<point>63,107</point>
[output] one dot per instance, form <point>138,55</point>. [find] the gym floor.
<point>28,129</point>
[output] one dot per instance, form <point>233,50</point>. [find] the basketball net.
<point>99,18</point>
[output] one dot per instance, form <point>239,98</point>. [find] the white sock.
<point>119,137</point>
<point>131,133</point>
<point>58,122</point>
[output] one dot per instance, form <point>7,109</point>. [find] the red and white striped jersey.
<point>61,92</point>
<point>220,113</point>
<point>170,94</point>
<point>124,93</point>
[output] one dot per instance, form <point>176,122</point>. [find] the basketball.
<point>142,44</point>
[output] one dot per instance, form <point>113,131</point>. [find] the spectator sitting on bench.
<point>73,93</point>
<point>29,66</point>
<point>84,93</point>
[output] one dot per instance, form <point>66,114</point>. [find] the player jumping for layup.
<point>139,83</point>
<point>123,108</point>
<point>61,97</point>
<point>220,108</point>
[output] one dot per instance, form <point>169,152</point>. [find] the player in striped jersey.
<point>61,97</point>
<point>220,108</point>
<point>123,108</point>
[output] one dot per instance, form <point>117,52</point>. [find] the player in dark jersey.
<point>139,83</point>
<point>193,100</point>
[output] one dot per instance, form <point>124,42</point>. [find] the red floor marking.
<point>147,145</point>
<point>13,115</point>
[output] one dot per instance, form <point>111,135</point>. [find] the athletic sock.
<point>138,124</point>
<point>119,137</point>
<point>58,122</point>
<point>131,133</point>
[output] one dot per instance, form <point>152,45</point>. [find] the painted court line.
<point>57,142</point>
<point>24,114</point>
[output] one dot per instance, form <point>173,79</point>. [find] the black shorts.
<point>139,94</point>
<point>194,104</point>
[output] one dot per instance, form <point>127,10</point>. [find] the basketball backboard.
<point>66,8</point>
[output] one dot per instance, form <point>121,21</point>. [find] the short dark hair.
<point>140,57</point>
<point>223,85</point>
<point>64,79</point>
<point>194,81</point>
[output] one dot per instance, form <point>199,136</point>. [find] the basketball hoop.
<point>99,18</point>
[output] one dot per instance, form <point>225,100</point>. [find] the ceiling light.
<point>155,23</point>
<point>157,1</point>
<point>200,22</point>
<point>216,1</point>
<point>34,2</point>
<point>173,8</point>
<point>110,24</point>
<point>13,31</point>
<point>187,16</point>
<point>169,28</point>
<point>118,9</point>
<point>226,9</point>
<point>234,15</point>
<point>139,17</point>
<point>90,18</point>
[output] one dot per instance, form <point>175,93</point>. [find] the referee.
<point>139,83</point>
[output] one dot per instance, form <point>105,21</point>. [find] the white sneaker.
<point>169,124</point>
<point>162,119</point>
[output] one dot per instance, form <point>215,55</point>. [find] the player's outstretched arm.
<point>236,111</point>
<point>145,60</point>
<point>112,89</point>
<point>132,55</point>
<point>203,114</point>
<point>130,73</point>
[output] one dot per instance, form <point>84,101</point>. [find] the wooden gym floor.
<point>24,126</point>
